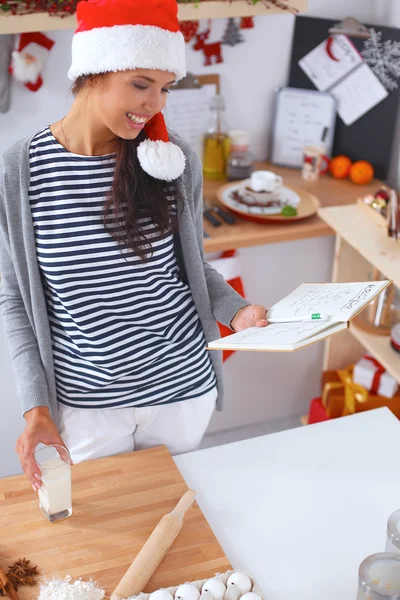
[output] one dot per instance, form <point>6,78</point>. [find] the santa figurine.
<point>28,59</point>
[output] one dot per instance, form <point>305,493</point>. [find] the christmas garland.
<point>63,8</point>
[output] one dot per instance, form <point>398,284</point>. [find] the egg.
<point>242,581</point>
<point>187,591</point>
<point>251,596</point>
<point>161,595</point>
<point>216,587</point>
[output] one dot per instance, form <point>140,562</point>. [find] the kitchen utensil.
<point>229,218</point>
<point>154,550</point>
<point>211,218</point>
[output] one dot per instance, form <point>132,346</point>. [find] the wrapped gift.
<point>369,373</point>
<point>317,412</point>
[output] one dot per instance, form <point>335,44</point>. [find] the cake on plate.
<point>264,189</point>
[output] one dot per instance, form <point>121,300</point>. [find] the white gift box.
<point>366,373</point>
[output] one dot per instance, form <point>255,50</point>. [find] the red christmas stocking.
<point>29,58</point>
<point>229,267</point>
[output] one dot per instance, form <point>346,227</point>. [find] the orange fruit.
<point>361,172</point>
<point>340,167</point>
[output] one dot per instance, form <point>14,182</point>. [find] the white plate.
<point>289,197</point>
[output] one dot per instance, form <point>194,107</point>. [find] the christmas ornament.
<point>29,58</point>
<point>383,58</point>
<point>189,29</point>
<point>232,35</point>
<point>210,51</point>
<point>246,23</point>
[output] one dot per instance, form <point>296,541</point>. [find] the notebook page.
<point>340,300</point>
<point>276,334</point>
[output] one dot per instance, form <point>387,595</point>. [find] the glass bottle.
<point>393,533</point>
<point>379,577</point>
<point>216,142</point>
<point>240,160</point>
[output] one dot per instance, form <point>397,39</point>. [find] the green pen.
<point>301,318</point>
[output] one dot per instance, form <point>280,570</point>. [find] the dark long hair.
<point>134,194</point>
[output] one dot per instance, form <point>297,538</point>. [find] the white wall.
<point>259,386</point>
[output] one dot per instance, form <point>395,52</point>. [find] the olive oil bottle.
<point>216,142</point>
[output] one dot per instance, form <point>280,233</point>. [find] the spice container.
<point>393,533</point>
<point>216,142</point>
<point>240,161</point>
<point>55,493</point>
<point>379,577</point>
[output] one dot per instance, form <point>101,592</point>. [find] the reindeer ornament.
<point>210,50</point>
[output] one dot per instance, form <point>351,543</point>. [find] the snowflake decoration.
<point>383,58</point>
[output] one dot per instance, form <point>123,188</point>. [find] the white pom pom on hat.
<point>159,157</point>
<point>121,35</point>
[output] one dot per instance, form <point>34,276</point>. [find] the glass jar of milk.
<point>55,493</point>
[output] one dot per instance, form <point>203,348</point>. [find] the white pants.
<point>90,433</point>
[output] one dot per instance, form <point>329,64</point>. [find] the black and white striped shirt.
<point>124,332</point>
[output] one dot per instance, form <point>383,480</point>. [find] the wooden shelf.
<point>379,347</point>
<point>368,237</point>
<point>187,12</point>
<point>245,234</point>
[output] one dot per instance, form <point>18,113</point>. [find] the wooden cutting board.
<point>117,501</point>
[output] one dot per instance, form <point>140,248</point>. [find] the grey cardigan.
<point>22,297</point>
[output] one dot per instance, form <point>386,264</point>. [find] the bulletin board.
<point>371,137</point>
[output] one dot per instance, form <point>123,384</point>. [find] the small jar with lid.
<point>393,533</point>
<point>379,577</point>
<point>241,162</point>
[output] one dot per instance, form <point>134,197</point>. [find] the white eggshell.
<point>187,591</point>
<point>242,581</point>
<point>216,587</point>
<point>251,596</point>
<point>161,595</point>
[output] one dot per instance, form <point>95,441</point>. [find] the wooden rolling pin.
<point>154,550</point>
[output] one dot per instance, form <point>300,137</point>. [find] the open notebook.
<point>338,303</point>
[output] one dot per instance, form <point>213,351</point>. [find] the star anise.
<point>22,573</point>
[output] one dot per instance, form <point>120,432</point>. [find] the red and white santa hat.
<point>120,35</point>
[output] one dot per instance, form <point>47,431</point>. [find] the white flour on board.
<point>66,589</point>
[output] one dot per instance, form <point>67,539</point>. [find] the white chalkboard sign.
<point>301,118</point>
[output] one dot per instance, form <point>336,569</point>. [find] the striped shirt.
<point>124,332</point>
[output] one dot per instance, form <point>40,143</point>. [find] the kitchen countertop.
<point>301,509</point>
<point>328,190</point>
<point>117,502</point>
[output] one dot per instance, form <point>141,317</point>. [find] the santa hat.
<point>28,59</point>
<point>120,35</point>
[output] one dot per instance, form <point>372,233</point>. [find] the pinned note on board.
<point>335,65</point>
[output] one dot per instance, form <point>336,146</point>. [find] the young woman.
<point>107,301</point>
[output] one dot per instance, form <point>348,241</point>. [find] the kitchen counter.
<point>117,502</point>
<point>301,509</point>
<point>328,190</point>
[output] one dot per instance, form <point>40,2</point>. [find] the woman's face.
<point>126,100</point>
